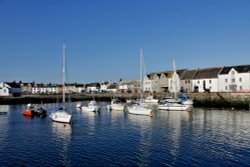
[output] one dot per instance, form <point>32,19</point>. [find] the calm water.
<point>114,138</point>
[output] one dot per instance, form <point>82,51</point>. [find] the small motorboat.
<point>28,112</point>
<point>116,105</point>
<point>78,105</point>
<point>92,106</point>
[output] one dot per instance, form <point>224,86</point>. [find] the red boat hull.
<point>28,113</point>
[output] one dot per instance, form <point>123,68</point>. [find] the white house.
<point>93,87</point>
<point>206,80</point>
<point>235,79</point>
<point>45,89</point>
<point>80,88</point>
<point>4,89</point>
<point>10,88</point>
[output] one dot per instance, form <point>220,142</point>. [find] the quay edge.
<point>209,100</point>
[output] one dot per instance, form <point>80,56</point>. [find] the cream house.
<point>161,81</point>
<point>186,80</point>
<point>132,86</point>
<point>148,83</point>
<point>27,87</point>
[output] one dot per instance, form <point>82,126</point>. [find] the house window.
<point>233,80</point>
<point>240,87</point>
<point>240,79</point>
<point>198,82</point>
<point>210,81</point>
<point>233,72</point>
<point>225,80</point>
<point>4,91</point>
<point>226,88</point>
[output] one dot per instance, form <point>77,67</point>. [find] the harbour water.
<point>201,137</point>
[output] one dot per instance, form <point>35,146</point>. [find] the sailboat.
<point>140,109</point>
<point>61,115</point>
<point>174,104</point>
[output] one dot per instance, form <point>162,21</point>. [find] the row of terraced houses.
<point>215,79</point>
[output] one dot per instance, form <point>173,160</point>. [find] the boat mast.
<point>174,80</point>
<point>141,73</point>
<point>63,72</point>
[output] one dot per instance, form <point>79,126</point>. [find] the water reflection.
<point>4,122</point>
<point>62,133</point>
<point>201,137</point>
<point>4,109</point>
<point>176,122</point>
<point>143,125</point>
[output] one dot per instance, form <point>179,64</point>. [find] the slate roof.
<point>189,74</point>
<point>96,84</point>
<point>166,73</point>
<point>207,73</point>
<point>181,72</point>
<point>239,69</point>
<point>13,84</point>
<point>112,86</point>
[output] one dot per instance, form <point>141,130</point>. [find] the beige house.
<point>161,81</point>
<point>186,80</point>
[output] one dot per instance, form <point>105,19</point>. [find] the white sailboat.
<point>61,115</point>
<point>174,104</point>
<point>139,109</point>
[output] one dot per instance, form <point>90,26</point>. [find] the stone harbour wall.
<point>210,100</point>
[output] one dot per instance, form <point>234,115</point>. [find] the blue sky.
<point>104,37</point>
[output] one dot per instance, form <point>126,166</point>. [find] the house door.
<point>204,85</point>
<point>196,89</point>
